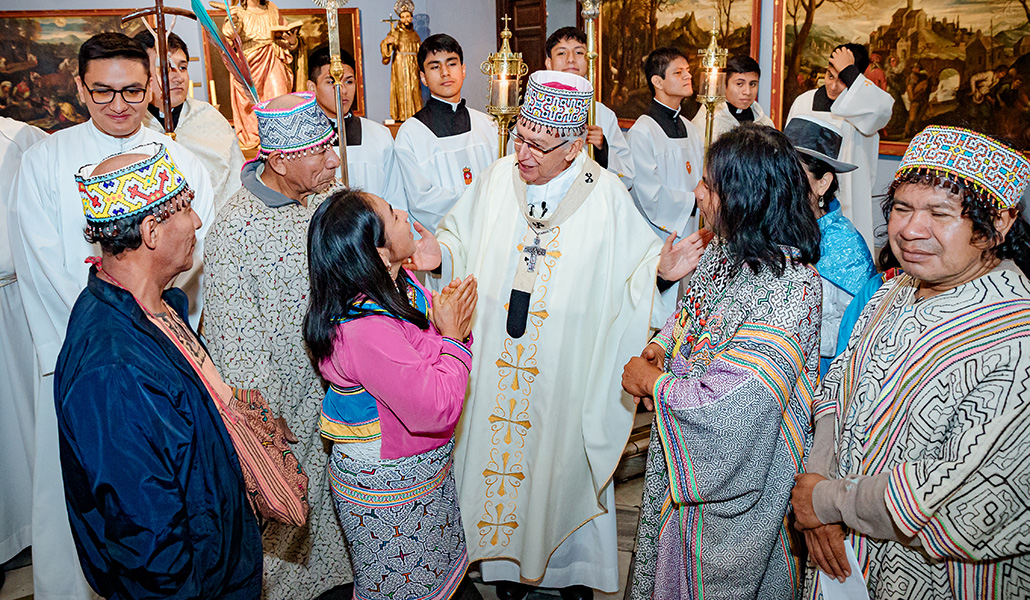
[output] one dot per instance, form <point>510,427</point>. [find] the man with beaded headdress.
<point>919,466</point>
<point>45,228</point>
<point>564,261</point>
<point>154,490</point>
<point>257,289</point>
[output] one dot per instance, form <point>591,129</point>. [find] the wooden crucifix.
<point>161,45</point>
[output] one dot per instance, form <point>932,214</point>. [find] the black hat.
<point>818,139</point>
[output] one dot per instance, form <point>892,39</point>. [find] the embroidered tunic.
<point>929,406</point>
<point>257,273</point>
<point>731,427</point>
<point>396,395</point>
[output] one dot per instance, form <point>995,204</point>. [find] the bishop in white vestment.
<point>17,366</point>
<point>46,227</point>
<point>566,269</point>
<point>859,109</point>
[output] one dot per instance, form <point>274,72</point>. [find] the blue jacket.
<point>155,494</point>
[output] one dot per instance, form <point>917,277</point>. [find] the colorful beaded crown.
<point>300,129</point>
<point>131,190</point>
<point>983,164</point>
<point>557,102</point>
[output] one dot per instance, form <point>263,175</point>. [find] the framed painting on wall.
<point>656,23</point>
<point>945,62</point>
<point>313,33</point>
<point>39,61</point>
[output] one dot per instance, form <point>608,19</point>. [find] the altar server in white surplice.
<point>860,109</point>
<point>668,158</point>
<point>566,51</point>
<point>446,145</point>
<point>46,226</point>
<point>371,165</point>
<point>17,368</point>
<point>197,125</point>
<point>566,269</point>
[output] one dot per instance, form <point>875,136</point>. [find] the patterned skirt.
<point>402,524</point>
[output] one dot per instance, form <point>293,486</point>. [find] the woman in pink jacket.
<point>397,362</point>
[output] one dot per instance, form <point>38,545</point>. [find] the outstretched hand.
<point>679,259</point>
<point>427,254</point>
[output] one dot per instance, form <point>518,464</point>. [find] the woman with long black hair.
<point>730,377</point>
<point>397,363</point>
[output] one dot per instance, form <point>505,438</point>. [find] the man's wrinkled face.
<point>569,56</point>
<point>313,173</point>
<point>931,238</point>
<point>741,90</point>
<point>325,91</point>
<point>443,74</point>
<point>126,77</point>
<point>177,237</point>
<point>542,156</point>
<point>178,77</point>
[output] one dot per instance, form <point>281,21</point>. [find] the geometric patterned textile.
<point>557,101</point>
<point>986,165</point>
<point>131,189</point>
<point>296,129</point>
<point>402,524</point>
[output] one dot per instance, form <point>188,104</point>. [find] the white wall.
<point>471,22</point>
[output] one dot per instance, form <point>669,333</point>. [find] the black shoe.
<point>510,590</point>
<point>576,592</point>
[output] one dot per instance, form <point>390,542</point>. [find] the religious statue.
<point>267,40</point>
<point>401,47</point>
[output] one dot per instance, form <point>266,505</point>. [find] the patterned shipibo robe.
<point>935,393</point>
<point>256,294</point>
<point>731,427</point>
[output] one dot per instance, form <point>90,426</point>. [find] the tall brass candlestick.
<point>505,69</point>
<point>591,10</point>
<point>713,82</point>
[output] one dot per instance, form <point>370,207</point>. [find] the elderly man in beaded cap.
<point>921,424</point>
<point>155,495</point>
<point>567,270</point>
<point>257,286</point>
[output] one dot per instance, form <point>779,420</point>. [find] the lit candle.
<point>713,82</point>
<point>503,85</point>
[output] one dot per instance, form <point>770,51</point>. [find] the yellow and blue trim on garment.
<point>349,415</point>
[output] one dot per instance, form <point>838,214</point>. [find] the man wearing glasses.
<point>566,269</point>
<point>46,223</point>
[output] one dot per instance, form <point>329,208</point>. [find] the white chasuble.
<point>860,112</point>
<point>17,366</point>
<point>437,170</point>
<point>46,223</point>
<point>546,420</point>
<point>205,132</point>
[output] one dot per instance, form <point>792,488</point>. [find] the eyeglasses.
<point>537,151</point>
<point>132,95</point>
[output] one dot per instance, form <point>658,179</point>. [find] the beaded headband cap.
<point>556,102</point>
<point>131,190</point>
<point>301,129</point>
<point>1000,173</point>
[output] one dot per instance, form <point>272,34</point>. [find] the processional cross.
<point>161,42</point>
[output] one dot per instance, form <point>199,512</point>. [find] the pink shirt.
<point>417,377</point>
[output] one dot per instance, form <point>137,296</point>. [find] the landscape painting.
<point>39,61</point>
<point>946,62</point>
<point>682,24</point>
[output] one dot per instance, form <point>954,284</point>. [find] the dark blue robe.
<point>155,494</point>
